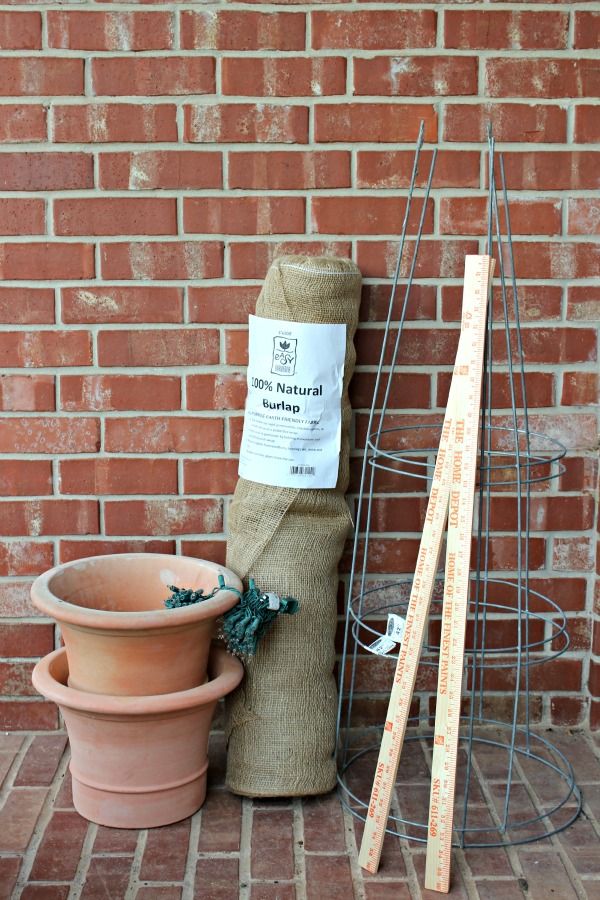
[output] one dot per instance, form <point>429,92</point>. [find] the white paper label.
<point>382,646</point>
<point>293,424</point>
<point>273,600</point>
<point>395,627</point>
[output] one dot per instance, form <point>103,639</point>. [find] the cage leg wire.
<point>512,629</point>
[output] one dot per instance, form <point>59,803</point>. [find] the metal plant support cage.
<point>493,807</point>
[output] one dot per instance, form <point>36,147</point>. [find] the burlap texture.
<point>281,721</point>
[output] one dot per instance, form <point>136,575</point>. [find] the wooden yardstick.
<point>459,430</point>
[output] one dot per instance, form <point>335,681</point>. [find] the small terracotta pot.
<point>138,762</point>
<point>119,636</point>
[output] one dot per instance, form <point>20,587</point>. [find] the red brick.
<point>20,31</point>
<point>27,393</point>
<point>505,29</point>
<point>536,301</point>
<point>46,171</point>
<point>100,123</point>
<point>210,476</point>
<point>580,474</point>
<point>150,77</point>
<point>21,123</point>
<point>48,434</point>
<point>107,877</point>
<point>34,75</point>
<point>45,892</point>
<point>546,513</point>
<point>556,260</point>
<point>70,550</point>
<point>118,476</point>
<point>583,216</point>
<point>587,30</point>
<point>375,303</point>
<point>539,387</point>
<point>161,434</point>
<point>9,871</point>
<point>405,76</point>
<point>165,347</point>
<point>422,346</point>
<point>245,122</point>
<point>177,260</point>
<point>374,29</point>
<point>57,857</point>
<point>284,77</point>
<point>567,710</point>
<point>165,854</point>
<point>15,680</point>
<point>221,823</point>
<point>20,477</point>
<point>216,391</point>
<point>468,215</point>
<point>37,517</point>
<point>213,550</point>
<point>30,640</point>
<point>583,303</point>
<point>365,215</point>
<point>392,169</point>
<point>445,259</point>
<point>573,554</point>
<point>160,169</point>
<point>329,876</point>
<point>217,878</point>
<point>173,516</point>
<point>242,30</point>
<point>541,77</point>
<point>236,348</point>
<point>289,170</point>
<point>22,216</point>
<point>587,125</point>
<point>18,818</point>
<point>41,761</point>
<point>244,215</point>
<point>273,827</point>
<point>78,30</point>
<point>252,260</point>
<point>532,123</point>
<point>115,215</point>
<point>31,349</point>
<point>121,304</point>
<point>408,391</point>
<point>378,122</point>
<point>115,840</point>
<point>24,557</point>
<point>580,389</point>
<point>226,304</point>
<point>236,426</point>
<point>81,393</point>
<point>23,715</point>
<point>46,261</point>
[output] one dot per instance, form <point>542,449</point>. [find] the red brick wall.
<point>156,157</point>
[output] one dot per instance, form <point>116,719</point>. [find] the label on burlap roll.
<point>292,425</point>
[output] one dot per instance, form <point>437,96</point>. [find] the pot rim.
<point>227,672</point>
<point>70,613</point>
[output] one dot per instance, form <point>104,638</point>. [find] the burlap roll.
<point>281,722</point>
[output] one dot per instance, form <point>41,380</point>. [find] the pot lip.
<point>228,671</point>
<point>71,614</point>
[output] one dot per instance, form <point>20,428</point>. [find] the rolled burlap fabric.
<point>281,722</point>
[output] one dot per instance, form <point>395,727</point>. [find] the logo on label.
<point>284,355</point>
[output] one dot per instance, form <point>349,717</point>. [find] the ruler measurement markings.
<point>420,598</point>
<point>455,603</point>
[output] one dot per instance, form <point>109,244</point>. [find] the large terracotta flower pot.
<point>138,762</point>
<point>119,636</point>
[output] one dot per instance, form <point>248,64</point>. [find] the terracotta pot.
<point>119,636</point>
<point>138,762</point>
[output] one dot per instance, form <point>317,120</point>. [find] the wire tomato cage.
<point>514,785</point>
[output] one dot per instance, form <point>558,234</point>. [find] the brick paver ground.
<point>269,850</point>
